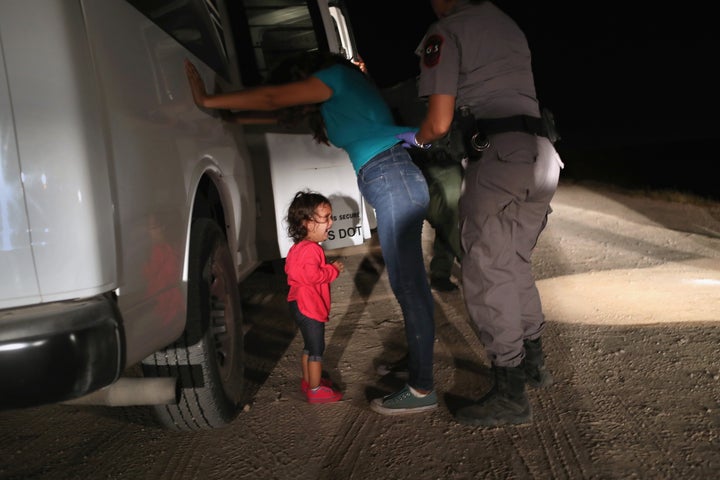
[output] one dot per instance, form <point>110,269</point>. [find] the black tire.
<point>208,358</point>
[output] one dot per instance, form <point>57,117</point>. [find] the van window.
<point>195,24</point>
<point>274,30</point>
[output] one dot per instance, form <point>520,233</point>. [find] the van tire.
<point>208,358</point>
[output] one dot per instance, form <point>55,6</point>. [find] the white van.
<point>128,215</point>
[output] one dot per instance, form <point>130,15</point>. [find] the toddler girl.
<point>309,275</point>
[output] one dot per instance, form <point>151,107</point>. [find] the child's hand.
<point>339,265</point>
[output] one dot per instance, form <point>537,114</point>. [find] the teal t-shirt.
<point>356,117</point>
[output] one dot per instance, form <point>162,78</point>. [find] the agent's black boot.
<point>536,375</point>
<point>505,404</point>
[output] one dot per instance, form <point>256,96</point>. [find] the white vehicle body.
<point>108,173</point>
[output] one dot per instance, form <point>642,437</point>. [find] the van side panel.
<point>18,282</point>
<point>161,145</point>
<point>60,149</point>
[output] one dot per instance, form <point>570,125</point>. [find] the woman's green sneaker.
<point>404,402</point>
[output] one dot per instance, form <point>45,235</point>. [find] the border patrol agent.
<point>476,60</point>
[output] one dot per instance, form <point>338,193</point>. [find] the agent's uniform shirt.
<point>309,278</point>
<point>479,55</point>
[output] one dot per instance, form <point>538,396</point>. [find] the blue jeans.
<point>395,187</point>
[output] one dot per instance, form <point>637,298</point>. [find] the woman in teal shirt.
<point>345,108</point>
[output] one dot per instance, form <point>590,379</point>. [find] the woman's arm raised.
<point>266,98</point>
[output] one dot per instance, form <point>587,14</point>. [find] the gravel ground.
<point>631,290</point>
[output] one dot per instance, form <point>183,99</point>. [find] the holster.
<point>548,119</point>
<point>474,138</point>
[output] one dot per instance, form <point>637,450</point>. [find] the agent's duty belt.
<point>517,123</point>
<point>475,131</point>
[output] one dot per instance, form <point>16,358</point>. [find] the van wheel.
<point>208,358</point>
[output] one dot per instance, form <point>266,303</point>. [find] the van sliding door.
<point>286,161</point>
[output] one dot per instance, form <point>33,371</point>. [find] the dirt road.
<point>631,288</point>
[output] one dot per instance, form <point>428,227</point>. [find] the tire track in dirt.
<point>564,445</point>
<point>563,449</point>
<point>618,391</point>
<point>343,457</point>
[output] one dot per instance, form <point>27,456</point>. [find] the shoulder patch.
<point>432,50</point>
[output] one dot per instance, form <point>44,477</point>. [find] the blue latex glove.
<point>408,139</point>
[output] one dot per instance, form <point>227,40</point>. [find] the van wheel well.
<point>208,203</point>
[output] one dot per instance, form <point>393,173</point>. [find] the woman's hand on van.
<point>197,86</point>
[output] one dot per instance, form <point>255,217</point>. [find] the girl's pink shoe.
<point>323,395</point>
<point>324,382</point>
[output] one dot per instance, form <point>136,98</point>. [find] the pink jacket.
<point>309,278</point>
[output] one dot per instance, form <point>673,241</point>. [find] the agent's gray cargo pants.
<point>503,209</point>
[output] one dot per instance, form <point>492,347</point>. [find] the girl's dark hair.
<point>300,67</point>
<point>303,208</point>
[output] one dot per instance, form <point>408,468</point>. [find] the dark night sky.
<point>613,73</point>
<point>631,66</point>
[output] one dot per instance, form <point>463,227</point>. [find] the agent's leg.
<point>533,218</point>
<point>444,183</point>
<point>495,188</point>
